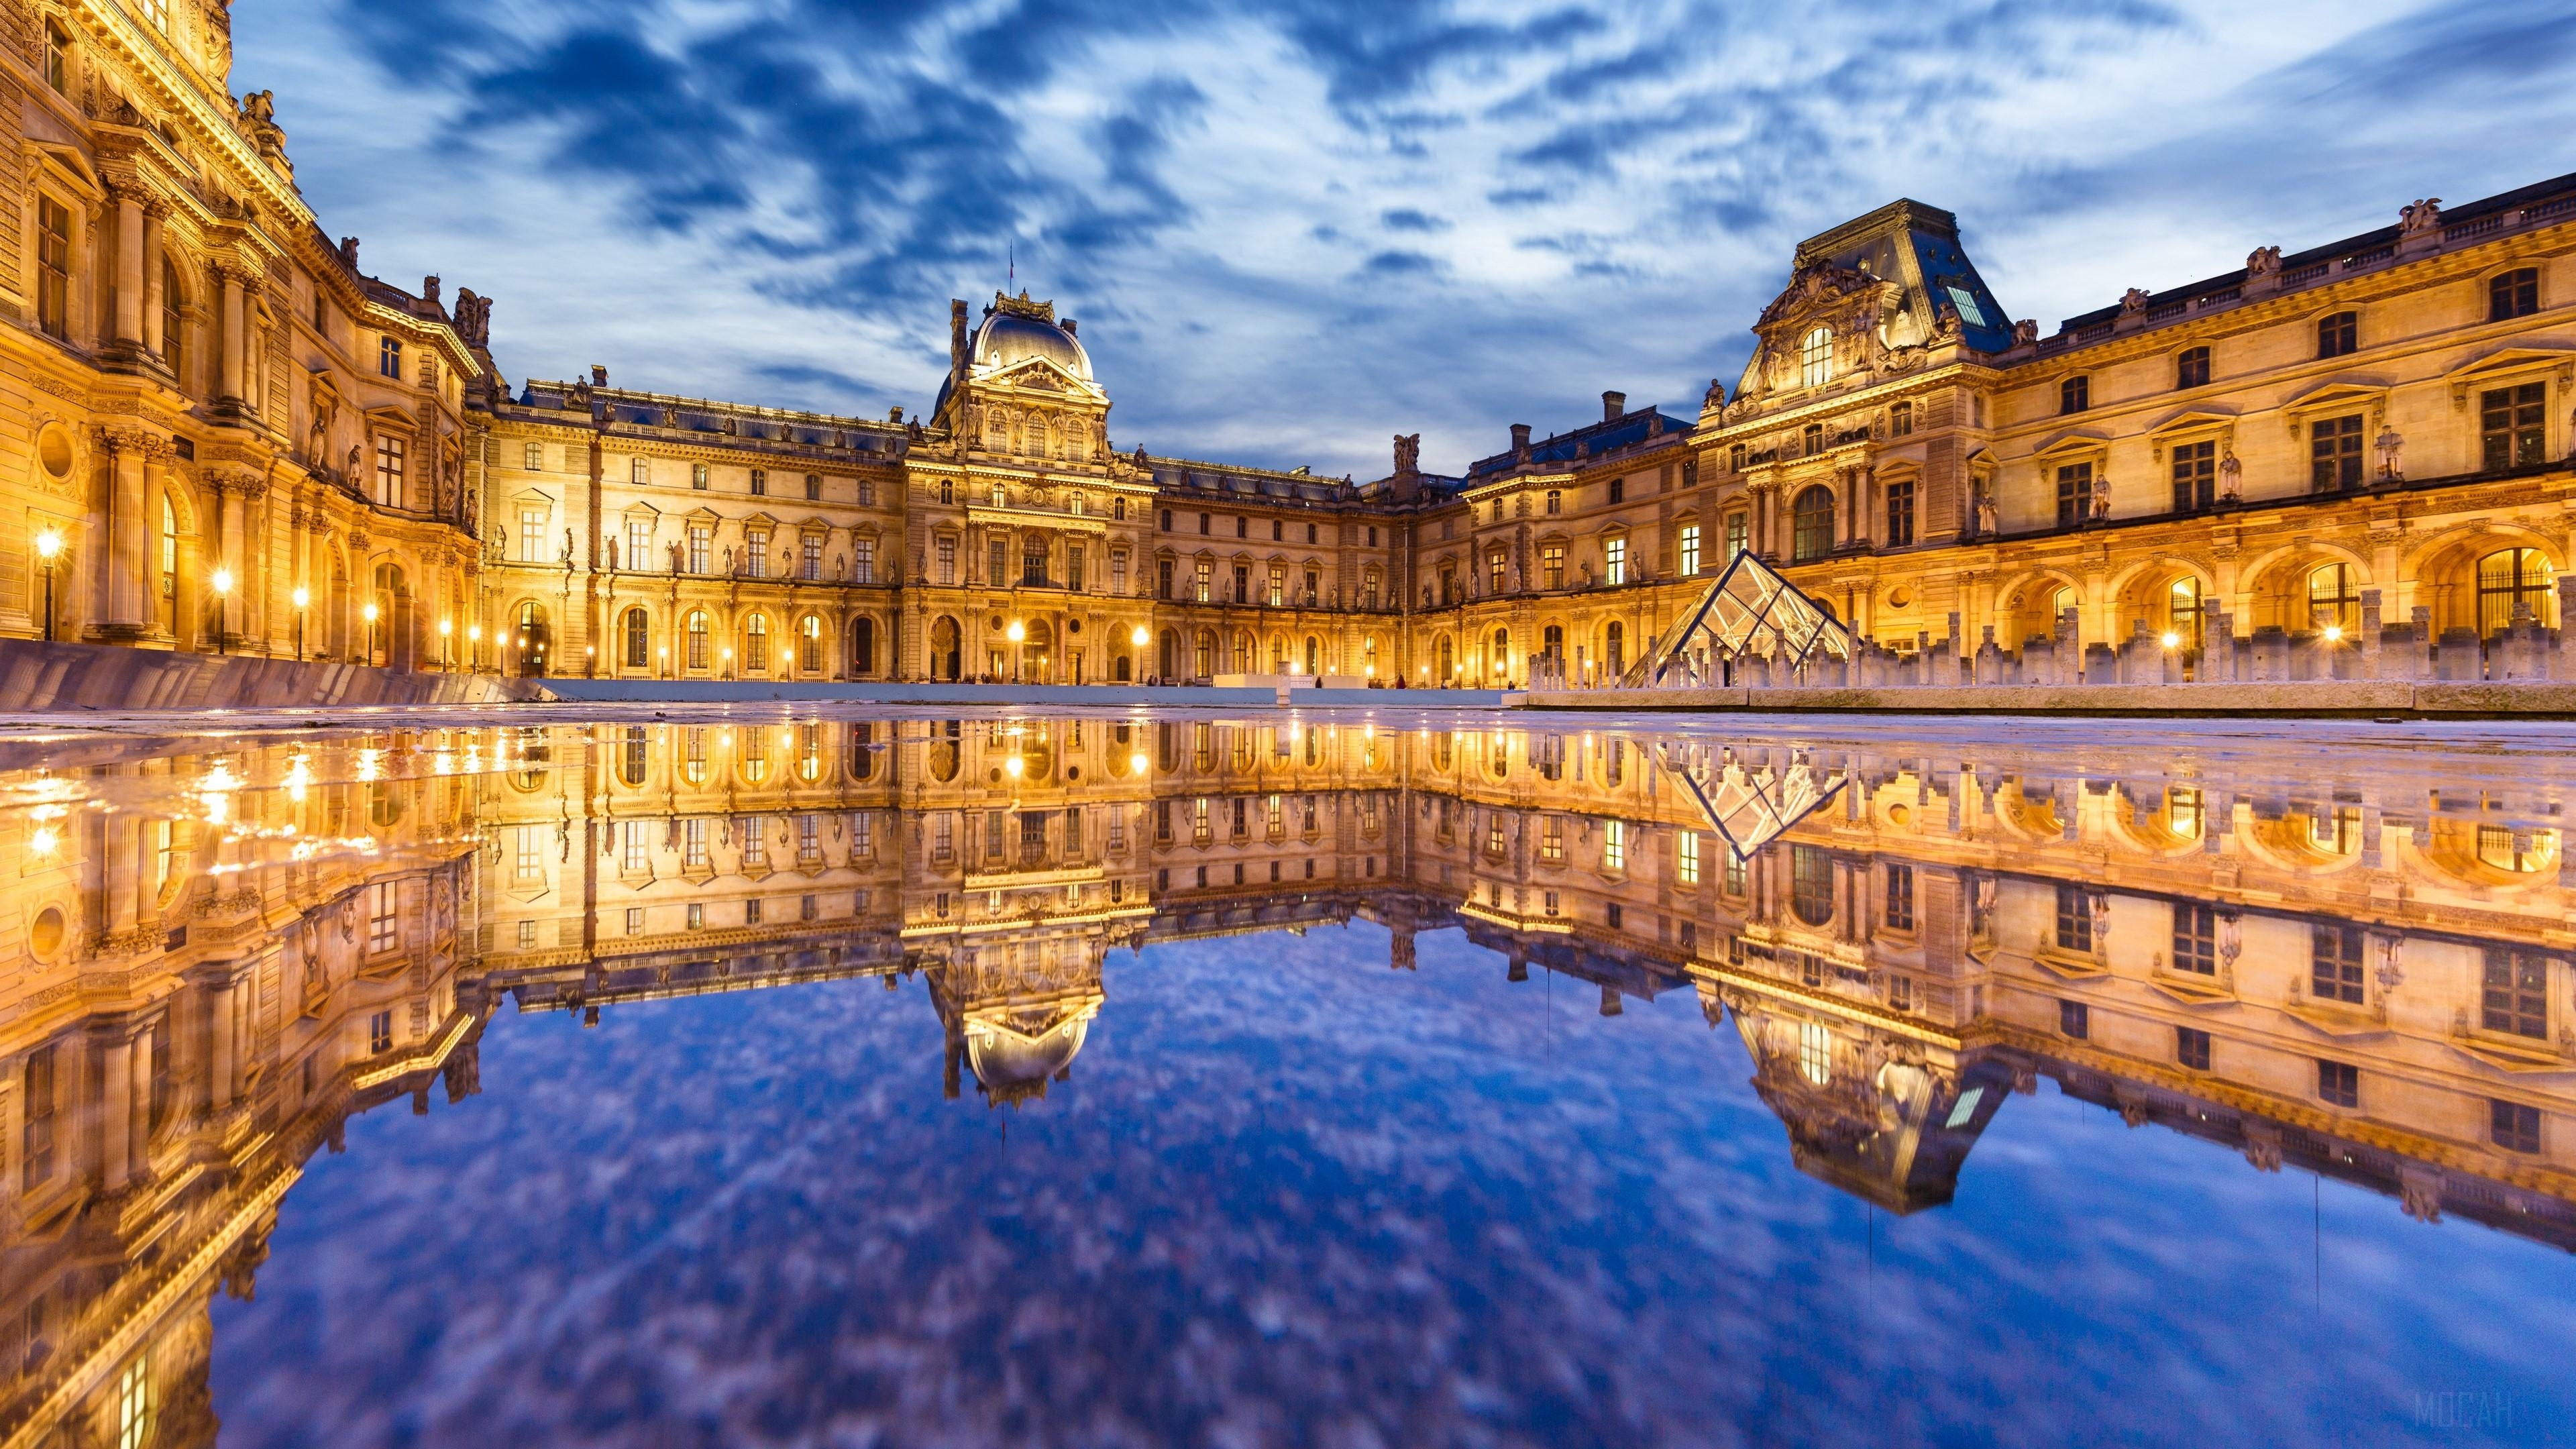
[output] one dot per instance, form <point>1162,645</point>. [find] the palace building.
<point>229,437</point>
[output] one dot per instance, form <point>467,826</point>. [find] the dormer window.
<point>2075,394</point>
<point>1816,358</point>
<point>157,12</point>
<point>1001,496</point>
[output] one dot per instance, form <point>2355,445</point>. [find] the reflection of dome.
<point>1012,337</point>
<point>1014,1067</point>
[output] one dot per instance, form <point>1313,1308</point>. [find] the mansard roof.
<point>2542,202</point>
<point>1236,482</point>
<point>1918,248</point>
<point>1628,430</point>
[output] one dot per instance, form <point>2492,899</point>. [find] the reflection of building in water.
<point>2369,980</point>
<point>223,956</point>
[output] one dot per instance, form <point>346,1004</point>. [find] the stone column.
<point>154,298</point>
<point>116,1114</point>
<point>236,338</point>
<point>129,267</point>
<point>127,581</point>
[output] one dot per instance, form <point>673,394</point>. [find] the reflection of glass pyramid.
<point>1749,610</point>
<point>1751,808</point>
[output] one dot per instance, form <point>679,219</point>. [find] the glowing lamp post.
<point>223,583</point>
<point>301,597</point>
<point>369,613</point>
<point>1015,634</point>
<point>474,643</point>
<point>49,547</point>
<point>1140,638</point>
<point>447,644</point>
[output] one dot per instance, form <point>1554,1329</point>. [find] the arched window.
<point>1167,664</point>
<point>755,642</point>
<point>1614,648</point>
<point>169,564</point>
<point>697,639</point>
<point>2332,602</point>
<point>2519,851</point>
<point>1122,670</point>
<point>1552,641</point>
<point>630,765</point>
<point>809,644</point>
<point>1448,663</point>
<point>1205,651</point>
<point>1816,357</point>
<point>2183,611</point>
<point>1499,665</point>
<point>2509,577</point>
<point>947,649</point>
<point>863,647</point>
<point>1812,520</point>
<point>639,640</point>
<point>1314,655</point>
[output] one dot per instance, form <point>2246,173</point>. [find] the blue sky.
<point>1293,228</point>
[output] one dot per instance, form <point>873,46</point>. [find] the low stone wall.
<point>37,676</point>
<point>2361,697</point>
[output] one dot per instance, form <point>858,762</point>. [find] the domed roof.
<point>1016,332</point>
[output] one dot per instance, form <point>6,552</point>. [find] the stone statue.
<point>473,318</point>
<point>1988,525</point>
<point>2262,264</point>
<point>2392,452</point>
<point>2101,923</point>
<point>2133,302</point>
<point>354,455</point>
<point>2101,498</point>
<point>2025,332</point>
<point>2424,216</point>
<point>1408,454</point>
<point>2231,479</point>
<point>1140,456</point>
<point>1715,397</point>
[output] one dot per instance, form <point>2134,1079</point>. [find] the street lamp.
<point>301,597</point>
<point>1015,634</point>
<point>369,614</point>
<point>223,582</point>
<point>474,643</point>
<point>49,547</point>
<point>447,644</point>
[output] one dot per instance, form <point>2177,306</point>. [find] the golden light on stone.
<point>49,544</point>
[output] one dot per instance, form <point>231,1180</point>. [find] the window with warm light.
<point>1816,357</point>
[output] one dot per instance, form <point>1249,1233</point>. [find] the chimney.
<point>1614,406</point>
<point>1520,440</point>
<point>1068,327</point>
<point>598,375</point>
<point>957,339</point>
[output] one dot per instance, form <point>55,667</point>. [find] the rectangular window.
<point>638,852</point>
<point>2195,938</point>
<point>2195,476</point>
<point>389,357</point>
<point>2191,367</point>
<point>1073,567</point>
<point>1206,581</point>
<point>2515,994</point>
<point>2335,964</point>
<point>1278,585</point>
<point>2074,919</point>
<point>1689,550</point>
<point>635,920</point>
<point>38,1106</point>
<point>2074,1020</point>
<point>946,556</point>
<point>58,58</point>
<point>640,473</point>
<point>1900,421</point>
<point>2339,1084</point>
<point>532,535</point>
<point>997,561</point>
<point>755,552</point>
<point>2514,1127</point>
<point>2075,395</point>
<point>2513,294</point>
<point>2191,1048</point>
<point>380,1030</point>
<point>2334,454</point>
<point>1614,561</point>
<point>809,558</point>
<point>1900,898</point>
<point>639,543</point>
<point>1900,513</point>
<point>1686,869</point>
<point>698,476</point>
<point>2074,494</point>
<point>527,855</point>
<point>701,547</point>
<point>1551,564</point>
<point>533,457</point>
<point>2337,335</point>
<point>2513,424</point>
<point>1497,565</point>
<point>389,471</point>
<point>1618,489</point>
<point>863,560</point>
<point>1738,535</point>
<point>54,265</point>
<point>383,917</point>
<point>693,844</point>
<point>1118,572</point>
<point>1614,845</point>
